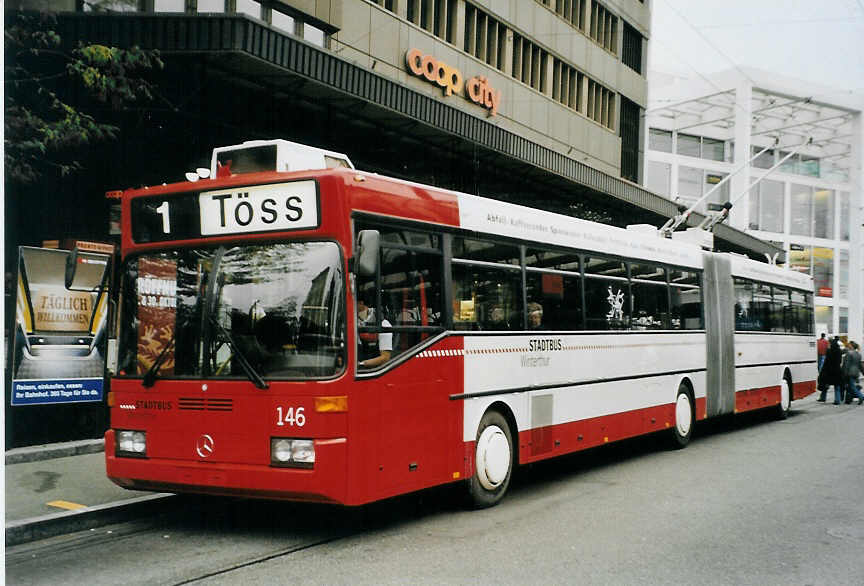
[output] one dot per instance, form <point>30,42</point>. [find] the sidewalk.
<point>61,488</point>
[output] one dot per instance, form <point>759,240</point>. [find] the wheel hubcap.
<point>683,414</point>
<point>493,457</point>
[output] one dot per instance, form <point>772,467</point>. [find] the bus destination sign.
<point>236,210</point>
<point>283,206</point>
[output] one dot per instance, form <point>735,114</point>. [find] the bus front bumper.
<point>325,482</point>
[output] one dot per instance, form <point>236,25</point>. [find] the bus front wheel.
<point>493,461</point>
<point>685,416</point>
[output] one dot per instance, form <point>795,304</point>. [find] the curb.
<point>18,532</point>
<point>51,451</point>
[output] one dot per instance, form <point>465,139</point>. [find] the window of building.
<point>566,84</point>
<point>763,161</point>
<point>843,276</point>
<point>766,206</point>
<point>712,149</point>
<point>689,145</point>
<point>248,7</point>
<point>314,35</point>
<point>529,63</point>
<point>823,271</point>
<point>660,140</point>
<point>720,195</point>
<point>689,182</point>
<point>111,6</point>
<point>601,104</point>
<point>658,177</point>
<point>631,139</point>
<point>484,37</point>
<point>823,213</point>
<point>385,4</point>
<point>631,52</point>
<point>573,11</point>
<point>825,319</point>
<point>844,215</point>
<point>604,27</point>
<point>169,6</point>
<point>211,6</point>
<point>799,258</point>
<point>435,16</point>
<point>801,210</point>
<point>283,22</point>
<point>808,166</point>
<point>843,320</point>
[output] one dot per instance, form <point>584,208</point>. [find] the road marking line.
<point>66,505</point>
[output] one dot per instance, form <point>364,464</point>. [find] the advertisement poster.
<point>157,311</point>
<point>61,321</point>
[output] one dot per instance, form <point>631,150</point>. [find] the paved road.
<point>751,501</point>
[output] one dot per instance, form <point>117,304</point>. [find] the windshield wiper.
<point>149,378</point>
<point>250,371</point>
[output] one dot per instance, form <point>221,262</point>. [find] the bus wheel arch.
<point>785,404</point>
<point>685,415</point>
<point>495,455</point>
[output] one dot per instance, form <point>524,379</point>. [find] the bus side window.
<point>649,297</point>
<point>411,290</point>
<point>686,300</point>
<point>486,298</point>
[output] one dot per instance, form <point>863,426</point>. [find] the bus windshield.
<point>276,311</point>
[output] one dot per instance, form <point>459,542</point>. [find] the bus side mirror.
<point>71,267</point>
<point>368,245</point>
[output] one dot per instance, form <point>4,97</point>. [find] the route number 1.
<point>163,210</point>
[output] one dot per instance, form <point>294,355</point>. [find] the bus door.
<point>719,306</point>
<point>413,389</point>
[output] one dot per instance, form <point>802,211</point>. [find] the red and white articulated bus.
<point>490,334</point>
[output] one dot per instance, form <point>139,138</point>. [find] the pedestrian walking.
<point>831,373</point>
<point>851,371</point>
<point>821,350</point>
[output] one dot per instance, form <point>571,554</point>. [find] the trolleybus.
<point>492,334</point>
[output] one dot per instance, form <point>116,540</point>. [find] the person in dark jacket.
<point>831,373</point>
<point>851,371</point>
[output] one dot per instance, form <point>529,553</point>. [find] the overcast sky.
<point>820,41</point>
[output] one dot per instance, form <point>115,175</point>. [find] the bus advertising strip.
<point>60,327</point>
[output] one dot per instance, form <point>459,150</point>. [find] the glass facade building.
<point>799,185</point>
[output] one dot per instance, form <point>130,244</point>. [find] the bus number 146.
<point>291,417</point>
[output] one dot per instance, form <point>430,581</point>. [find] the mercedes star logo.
<point>205,445</point>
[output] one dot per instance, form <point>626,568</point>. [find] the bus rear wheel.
<point>493,461</point>
<point>685,415</point>
<point>782,411</point>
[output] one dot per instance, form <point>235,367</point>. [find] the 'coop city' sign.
<point>476,89</point>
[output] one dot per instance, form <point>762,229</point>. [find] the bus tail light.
<point>292,453</point>
<point>131,444</point>
<point>331,404</point>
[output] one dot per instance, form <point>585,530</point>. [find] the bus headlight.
<point>292,453</point>
<point>131,443</point>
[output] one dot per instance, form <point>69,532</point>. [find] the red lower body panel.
<point>803,389</point>
<point>555,440</point>
<point>324,483</point>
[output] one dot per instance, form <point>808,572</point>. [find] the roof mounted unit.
<point>254,156</point>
